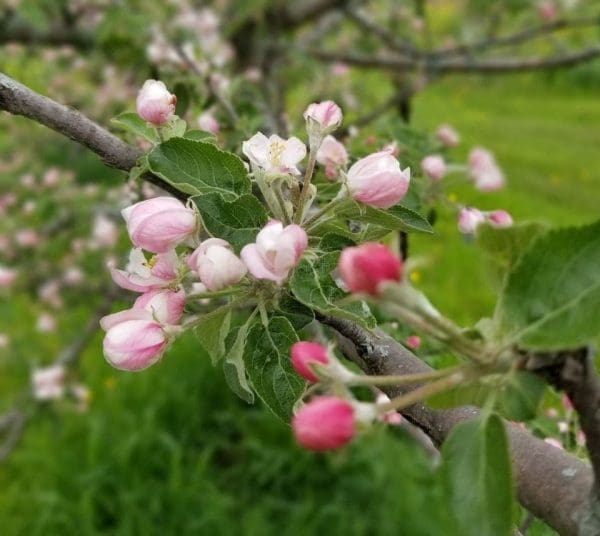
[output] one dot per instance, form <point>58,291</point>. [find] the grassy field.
<point>172,451</point>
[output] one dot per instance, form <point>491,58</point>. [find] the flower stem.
<point>335,202</point>
<point>403,379</point>
<point>310,169</point>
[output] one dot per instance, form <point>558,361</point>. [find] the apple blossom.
<point>469,219</point>
<point>45,323</point>
<point>499,219</point>
<point>27,238</point>
<point>434,167</point>
<point>330,422</point>
<point>378,181</point>
<point>48,383</point>
<point>413,342</point>
<point>363,268</point>
<point>333,155</point>
<point>276,251</point>
<point>159,224</point>
<point>208,122</point>
<point>305,354</point>
<point>141,275</point>
<point>154,103</point>
<point>7,277</point>
<point>485,171</point>
<point>322,118</point>
<point>134,344</point>
<point>447,136</point>
<point>105,232</point>
<point>217,266</point>
<point>274,155</point>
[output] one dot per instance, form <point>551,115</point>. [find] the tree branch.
<point>552,484</point>
<point>18,99</point>
<point>465,65</point>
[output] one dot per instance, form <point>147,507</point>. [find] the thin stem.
<point>336,201</point>
<point>279,196</point>
<point>217,293</point>
<point>403,379</point>
<point>430,389</point>
<point>302,200</point>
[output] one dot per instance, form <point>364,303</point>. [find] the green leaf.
<point>551,299</point>
<point>477,471</point>
<point>234,367</point>
<point>313,285</point>
<point>212,331</point>
<point>520,398</point>
<point>298,314</point>
<point>175,128</point>
<point>196,167</point>
<point>268,365</point>
<point>467,394</point>
<point>237,221</point>
<point>132,122</point>
<point>505,246</point>
<point>199,135</point>
<point>396,218</point>
<point>335,242</point>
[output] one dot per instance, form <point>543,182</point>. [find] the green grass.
<point>173,451</point>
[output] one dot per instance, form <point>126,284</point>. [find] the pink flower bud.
<point>485,171</point>
<point>274,155</point>
<point>276,251</point>
<point>51,178</point>
<point>363,268</point>
<point>27,238</point>
<point>105,233</point>
<point>159,224</point>
<point>469,219</point>
<point>447,136</point>
<point>333,155</point>
<point>325,423</point>
<point>554,442</point>
<point>217,266</point>
<point>134,344</point>
<point>547,10</point>
<point>7,277</point>
<point>413,342</point>
<point>322,117</point>
<point>154,103</point>
<point>500,219</point>
<point>48,383</point>
<point>305,354</point>
<point>434,167</point>
<point>45,323</point>
<point>142,275</point>
<point>208,123</point>
<point>378,181</point>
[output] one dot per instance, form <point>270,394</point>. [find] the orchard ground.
<point>173,451</point>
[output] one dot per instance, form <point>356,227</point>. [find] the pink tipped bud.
<point>306,354</point>
<point>134,344</point>
<point>325,423</point>
<point>378,181</point>
<point>500,219</point>
<point>154,103</point>
<point>434,167</point>
<point>363,268</point>
<point>447,136</point>
<point>216,265</point>
<point>276,251</point>
<point>159,224</point>
<point>485,171</point>
<point>413,342</point>
<point>469,219</point>
<point>333,155</point>
<point>208,122</point>
<point>322,118</point>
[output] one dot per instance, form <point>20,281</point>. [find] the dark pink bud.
<point>325,423</point>
<point>304,355</point>
<point>365,267</point>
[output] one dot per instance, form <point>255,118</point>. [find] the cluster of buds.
<point>470,218</point>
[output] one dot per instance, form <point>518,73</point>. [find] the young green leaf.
<point>212,331</point>
<point>520,398</point>
<point>237,221</point>
<point>551,299</point>
<point>132,122</point>
<point>234,367</point>
<point>196,167</point>
<point>313,285</point>
<point>477,471</point>
<point>396,218</point>
<point>268,365</point>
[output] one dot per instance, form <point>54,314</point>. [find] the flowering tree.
<point>288,257</point>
